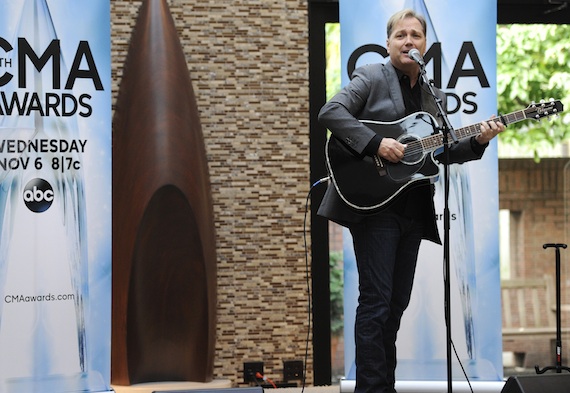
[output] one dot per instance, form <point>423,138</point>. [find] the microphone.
<point>416,56</point>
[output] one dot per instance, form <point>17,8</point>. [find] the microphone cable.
<point>459,361</point>
<point>308,281</point>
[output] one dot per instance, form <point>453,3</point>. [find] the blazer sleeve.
<point>463,151</point>
<point>341,113</point>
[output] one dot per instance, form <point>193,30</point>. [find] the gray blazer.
<point>374,94</point>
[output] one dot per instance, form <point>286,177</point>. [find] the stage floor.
<point>166,386</point>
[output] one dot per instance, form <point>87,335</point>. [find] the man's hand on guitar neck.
<point>391,150</point>
<point>489,130</point>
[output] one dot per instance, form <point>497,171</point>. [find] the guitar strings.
<point>433,142</point>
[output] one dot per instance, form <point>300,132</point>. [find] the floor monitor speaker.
<point>544,383</point>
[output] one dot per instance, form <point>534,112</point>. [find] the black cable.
<point>425,89</point>
<point>462,368</point>
<point>307,276</point>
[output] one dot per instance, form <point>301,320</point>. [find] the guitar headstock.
<point>543,109</point>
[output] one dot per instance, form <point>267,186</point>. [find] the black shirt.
<point>412,95</point>
<point>415,201</point>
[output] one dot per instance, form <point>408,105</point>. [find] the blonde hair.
<point>407,13</point>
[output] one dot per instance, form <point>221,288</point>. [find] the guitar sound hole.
<point>414,152</point>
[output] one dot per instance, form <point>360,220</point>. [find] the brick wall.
<point>248,61</point>
<point>537,193</point>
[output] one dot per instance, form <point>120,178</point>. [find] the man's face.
<point>407,34</point>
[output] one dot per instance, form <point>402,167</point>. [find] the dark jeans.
<point>386,247</point>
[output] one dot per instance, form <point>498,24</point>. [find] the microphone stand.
<point>447,131</point>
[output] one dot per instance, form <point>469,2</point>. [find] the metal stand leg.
<point>558,366</point>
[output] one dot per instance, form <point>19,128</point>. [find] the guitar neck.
<point>475,129</point>
<point>434,142</point>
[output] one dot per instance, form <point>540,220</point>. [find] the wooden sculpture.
<point>164,256</point>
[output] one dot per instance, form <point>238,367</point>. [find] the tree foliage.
<point>337,292</point>
<point>332,53</point>
<point>533,64</point>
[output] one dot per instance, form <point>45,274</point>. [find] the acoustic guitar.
<point>369,184</point>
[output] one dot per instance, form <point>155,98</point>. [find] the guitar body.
<point>370,184</point>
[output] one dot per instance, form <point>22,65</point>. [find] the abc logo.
<point>38,195</point>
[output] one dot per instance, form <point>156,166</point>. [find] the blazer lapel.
<point>395,90</point>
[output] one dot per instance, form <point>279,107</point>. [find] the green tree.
<point>332,53</point>
<point>533,64</point>
<point>337,293</point>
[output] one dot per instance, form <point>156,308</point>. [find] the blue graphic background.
<point>475,280</point>
<point>72,21</point>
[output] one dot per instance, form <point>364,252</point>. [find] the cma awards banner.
<point>461,60</point>
<point>55,196</point>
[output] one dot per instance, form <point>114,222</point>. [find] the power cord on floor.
<point>258,375</point>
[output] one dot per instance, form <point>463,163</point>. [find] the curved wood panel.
<point>164,256</point>
<point>159,320</point>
